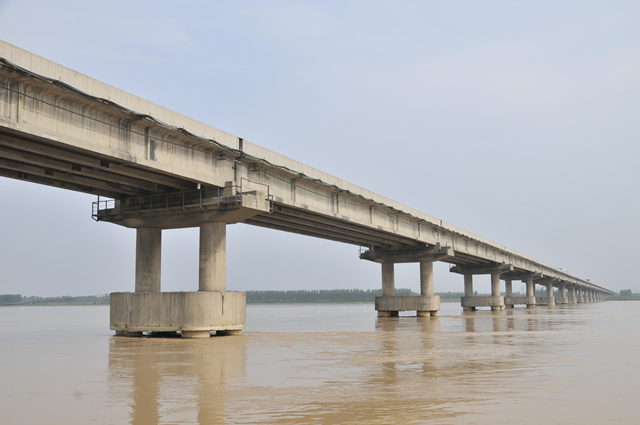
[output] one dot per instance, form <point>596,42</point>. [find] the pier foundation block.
<point>194,314</point>
<point>470,303</point>
<point>423,304</point>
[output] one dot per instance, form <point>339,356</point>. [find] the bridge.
<point>154,169</point>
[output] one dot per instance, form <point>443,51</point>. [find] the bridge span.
<point>155,169</point>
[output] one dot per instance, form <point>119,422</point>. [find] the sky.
<point>517,121</point>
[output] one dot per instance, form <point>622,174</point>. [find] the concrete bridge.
<point>161,170</point>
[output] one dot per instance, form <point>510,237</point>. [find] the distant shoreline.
<point>314,296</point>
<point>254,297</point>
<point>248,303</point>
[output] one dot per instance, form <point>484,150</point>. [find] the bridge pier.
<point>213,256</point>
<point>193,314</point>
<point>471,302</point>
<point>571,298</point>
<point>148,259</point>
<point>495,292</point>
<point>530,300</point>
<point>562,294</point>
<point>549,300</point>
<point>427,303</point>
<point>427,288</point>
<point>580,296</point>
<point>468,292</point>
<point>508,294</point>
<point>388,288</point>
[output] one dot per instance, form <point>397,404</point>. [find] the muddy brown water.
<point>327,364</point>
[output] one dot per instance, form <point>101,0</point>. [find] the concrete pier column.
<point>213,256</point>
<point>562,294</point>
<point>531,293</point>
<point>148,259</point>
<point>468,290</point>
<point>551,301</point>
<point>426,288</point>
<point>571,298</point>
<point>426,278</point>
<point>388,287</point>
<point>508,292</point>
<point>495,290</point>
<point>388,280</point>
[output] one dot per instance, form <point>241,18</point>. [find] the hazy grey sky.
<point>517,121</point>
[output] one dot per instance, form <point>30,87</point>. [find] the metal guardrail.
<point>186,201</point>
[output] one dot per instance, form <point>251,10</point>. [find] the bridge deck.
<point>64,129</point>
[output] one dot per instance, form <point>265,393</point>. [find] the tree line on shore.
<point>330,296</point>
<point>253,297</point>
<point>269,297</point>
<point>17,299</point>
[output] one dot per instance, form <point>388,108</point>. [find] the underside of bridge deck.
<point>40,160</point>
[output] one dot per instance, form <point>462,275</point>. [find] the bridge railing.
<point>186,201</point>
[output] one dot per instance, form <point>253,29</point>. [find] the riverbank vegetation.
<point>253,297</point>
<point>17,299</point>
<point>277,297</point>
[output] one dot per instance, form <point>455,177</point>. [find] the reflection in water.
<point>174,377</point>
<point>409,369</point>
<point>532,323</point>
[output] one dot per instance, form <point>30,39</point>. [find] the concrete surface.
<point>178,311</point>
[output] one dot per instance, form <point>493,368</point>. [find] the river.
<point>327,364</point>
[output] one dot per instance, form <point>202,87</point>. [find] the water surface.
<point>327,364</point>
